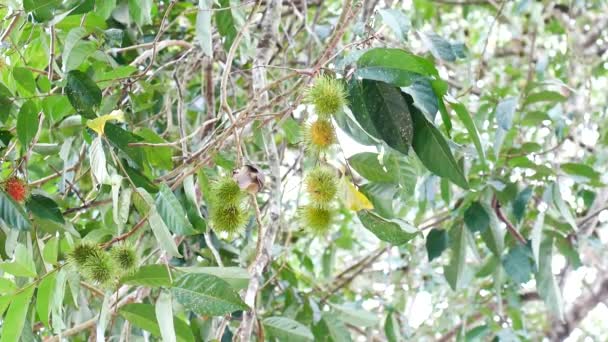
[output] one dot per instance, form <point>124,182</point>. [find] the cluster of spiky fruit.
<point>227,207</point>
<point>16,188</point>
<point>328,96</point>
<point>321,187</point>
<point>100,266</point>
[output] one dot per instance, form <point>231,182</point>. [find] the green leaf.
<point>45,208</point>
<point>139,179</point>
<point>206,294</point>
<point>394,66</point>
<point>546,284</point>
<point>457,273</point>
<point>225,23</point>
<point>436,243</point>
<point>393,168</point>
<point>16,315</point>
<point>331,329</point>
<point>286,329</point>
<point>467,121</point>
<point>73,39</point>
<point>44,296</point>
<point>203,26</point>
<point>83,93</point>
<point>149,276</point>
<point>6,287</point>
<point>520,202</point>
<point>25,79</point>
<point>424,97</point>
<point>517,263</point>
<point>140,11</point>
<point>544,96</point>
<point>27,123</point>
<point>237,277</point>
<point>441,48</point>
<point>476,218</point>
<point>397,21</point>
<point>159,156</point>
<point>383,113</point>
<point>12,213</point>
<point>395,231</point>
<point>536,237</point>
<point>495,236</point>
<point>392,327</point>
<point>143,316</point>
<point>164,316</point>
<point>172,212</point>
<point>582,170</point>
<point>505,110</point>
<point>121,139</point>
<point>563,208</point>
<point>50,251</point>
<point>145,205</point>
<point>355,316</point>
<point>434,152</point>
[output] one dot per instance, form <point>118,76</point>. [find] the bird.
<point>250,178</point>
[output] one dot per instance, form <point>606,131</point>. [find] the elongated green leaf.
<point>505,110</point>
<point>394,66</point>
<point>392,328</point>
<point>441,48</point>
<point>143,316</point>
<point>476,218</point>
<point>225,23</point>
<point>149,276</point>
<point>395,231</point>
<point>50,251</point>
<point>237,277</point>
<point>544,96</point>
<point>164,316</point>
<point>434,152</point>
<point>536,237</point>
<point>16,314</point>
<point>518,264</point>
<point>12,213</point>
<point>286,329</point>
<point>44,297</point>
<point>469,124</point>
<point>7,286</point>
<point>71,40</point>
<point>383,113</point>
<point>206,294</point>
<point>83,93</point>
<point>203,26</point>
<point>393,168</point>
<point>331,329</point>
<point>25,79</point>
<point>44,207</point>
<point>172,212</point>
<point>424,97</point>
<point>457,273</point>
<point>547,286</point>
<point>158,226</point>
<point>27,123</point>
<point>397,21</point>
<point>436,243</point>
<point>579,169</point>
<point>141,11</point>
<point>121,139</point>
<point>356,316</point>
<point>563,208</point>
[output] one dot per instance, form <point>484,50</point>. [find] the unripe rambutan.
<point>226,191</point>
<point>227,218</point>
<point>81,253</point>
<point>125,257</point>
<point>16,188</point>
<point>316,219</point>
<point>327,95</point>
<point>100,268</point>
<point>319,135</point>
<point>321,185</point>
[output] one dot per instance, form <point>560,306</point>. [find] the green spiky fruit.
<point>81,253</point>
<point>227,218</point>
<point>319,135</point>
<point>125,257</point>
<point>100,269</point>
<point>321,185</point>
<point>226,191</point>
<point>316,219</point>
<point>327,95</point>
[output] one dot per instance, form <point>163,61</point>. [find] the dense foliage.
<point>420,170</point>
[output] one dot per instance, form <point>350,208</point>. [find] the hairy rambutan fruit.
<point>321,185</point>
<point>226,191</point>
<point>100,268</point>
<point>319,135</point>
<point>81,253</point>
<point>316,219</point>
<point>125,257</point>
<point>327,95</point>
<point>16,188</point>
<point>227,218</point>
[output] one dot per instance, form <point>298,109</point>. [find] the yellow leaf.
<point>354,199</point>
<point>99,123</point>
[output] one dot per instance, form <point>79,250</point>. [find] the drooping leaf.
<point>443,49</point>
<point>97,157</point>
<point>203,26</point>
<point>458,273</point>
<point>434,152</point>
<point>436,243</point>
<point>206,294</point>
<point>395,231</point>
<point>355,316</point>
<point>237,277</point>
<point>25,79</point>
<point>561,206</point>
<point>12,213</point>
<point>476,218</point>
<point>520,202</point>
<point>225,23</point>
<point>44,207</point>
<point>518,264</point>
<point>164,316</point>
<point>286,329</point>
<point>544,96</point>
<point>392,328</point>
<point>505,110</point>
<point>16,315</point>
<point>140,11</point>
<point>394,66</point>
<point>83,93</point>
<point>143,316</point>
<point>44,297</point>
<point>547,286</point>
<point>469,124</point>
<point>27,123</point>
<point>172,212</point>
<point>397,21</point>
<point>331,329</point>
<point>149,276</point>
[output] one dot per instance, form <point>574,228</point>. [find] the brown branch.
<point>501,216</point>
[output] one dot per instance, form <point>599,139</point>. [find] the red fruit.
<point>16,188</point>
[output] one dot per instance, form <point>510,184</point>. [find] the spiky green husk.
<point>81,253</point>
<point>100,268</point>
<point>227,218</point>
<point>227,191</point>
<point>319,135</point>
<point>321,185</point>
<point>316,219</point>
<point>327,95</point>
<point>125,257</point>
